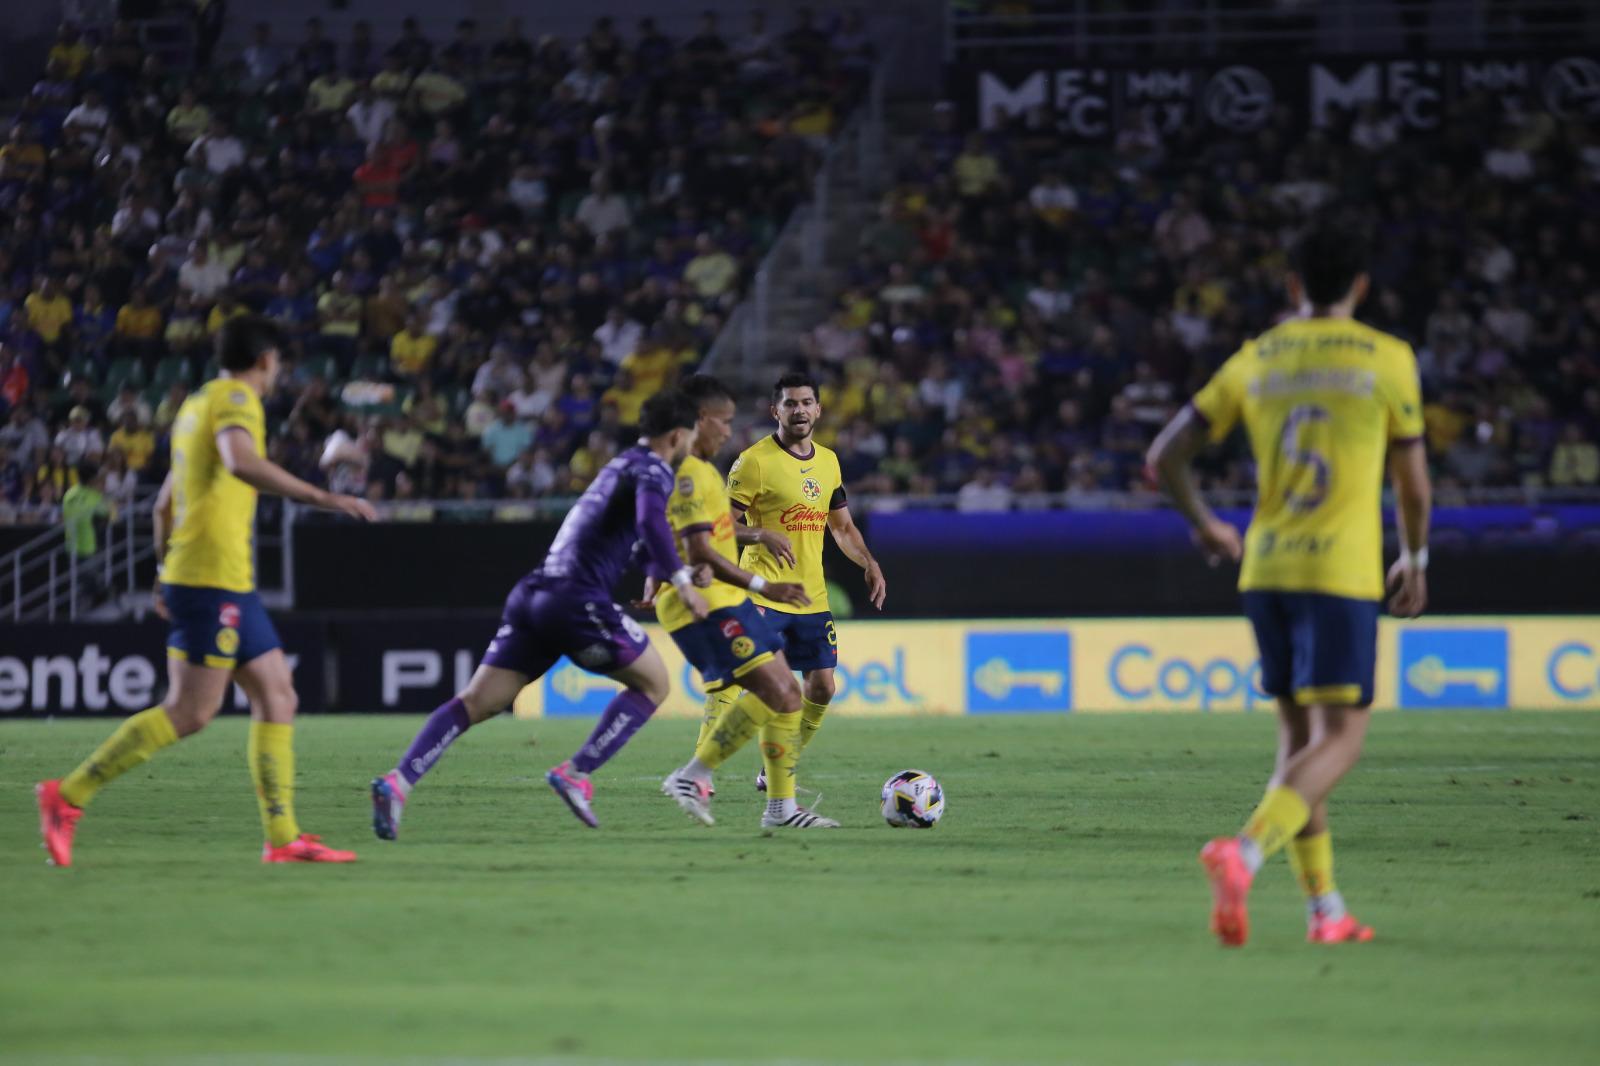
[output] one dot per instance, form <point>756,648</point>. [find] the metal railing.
<point>1084,28</point>
<point>43,580</point>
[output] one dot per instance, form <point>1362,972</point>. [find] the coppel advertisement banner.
<point>1199,664</point>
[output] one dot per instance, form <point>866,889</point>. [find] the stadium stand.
<point>488,250</point>
<point>1024,315</point>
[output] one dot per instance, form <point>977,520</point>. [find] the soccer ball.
<point>912,800</point>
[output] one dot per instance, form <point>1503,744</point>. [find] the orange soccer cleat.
<point>1344,930</point>
<point>1230,884</point>
<point>58,821</point>
<point>307,847</point>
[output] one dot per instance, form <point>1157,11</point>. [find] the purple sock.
<point>443,726</point>
<point>618,723</point>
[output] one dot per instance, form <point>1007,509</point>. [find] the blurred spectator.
<point>134,442</point>
<point>1576,460</point>
<point>564,227</point>
<point>506,438</point>
<point>80,441</point>
<point>983,493</point>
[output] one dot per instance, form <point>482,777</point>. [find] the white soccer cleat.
<point>692,795</point>
<point>800,819</point>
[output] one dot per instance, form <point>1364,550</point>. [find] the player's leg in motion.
<point>819,690</point>
<point>716,703</point>
<point>814,699</point>
<point>813,650</point>
<point>646,687</point>
<point>1332,748</point>
<point>1318,655</point>
<point>491,690</point>
<point>1311,851</point>
<point>769,707</point>
<point>269,683</point>
<point>194,695</point>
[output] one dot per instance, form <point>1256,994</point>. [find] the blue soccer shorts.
<point>728,644</point>
<point>1315,648</point>
<point>809,640</point>
<point>217,628</point>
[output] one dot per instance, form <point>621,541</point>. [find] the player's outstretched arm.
<point>848,536</point>
<point>1170,457</point>
<point>1413,492</point>
<point>239,456</point>
<point>702,553</point>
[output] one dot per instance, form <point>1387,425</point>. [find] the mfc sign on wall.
<point>1091,103</point>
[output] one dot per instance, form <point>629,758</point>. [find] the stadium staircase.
<point>41,581</point>
<point>794,287</point>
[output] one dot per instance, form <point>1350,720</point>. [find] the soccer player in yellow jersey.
<point>220,633</point>
<point>1326,402</point>
<point>734,646</point>
<point>788,483</point>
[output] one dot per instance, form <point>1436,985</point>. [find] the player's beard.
<point>798,434</point>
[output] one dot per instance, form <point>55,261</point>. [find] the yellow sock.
<point>716,703</point>
<point>1311,859</point>
<point>810,720</point>
<point>1281,815</point>
<point>135,740</point>
<point>271,756</point>
<point>739,721</point>
<point>780,753</point>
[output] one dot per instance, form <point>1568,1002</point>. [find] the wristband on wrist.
<point>682,577</point>
<point>1414,560</point>
<point>757,583</point>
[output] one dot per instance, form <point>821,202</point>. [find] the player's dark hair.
<point>666,411</point>
<point>794,379</point>
<point>704,389</point>
<point>1328,260</point>
<point>243,340</point>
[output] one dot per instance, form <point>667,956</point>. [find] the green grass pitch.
<point>1057,914</point>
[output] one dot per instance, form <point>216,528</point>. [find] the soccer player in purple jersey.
<point>565,608</point>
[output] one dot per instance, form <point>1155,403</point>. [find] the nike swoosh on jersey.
<point>805,470</point>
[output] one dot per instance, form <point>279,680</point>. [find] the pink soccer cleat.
<point>1230,885</point>
<point>576,791</point>
<point>58,821</point>
<point>1344,930</point>
<point>307,847</point>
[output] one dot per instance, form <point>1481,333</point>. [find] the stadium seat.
<point>369,368</point>
<point>123,371</point>
<point>172,369</point>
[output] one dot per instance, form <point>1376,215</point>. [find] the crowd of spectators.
<point>488,250</point>
<point>1025,314</point>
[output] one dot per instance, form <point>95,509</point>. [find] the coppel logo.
<point>1139,674</point>
<point>874,682</point>
<point>1453,668</point>
<point>1573,671</point>
<point>572,691</point>
<point>1019,671</point>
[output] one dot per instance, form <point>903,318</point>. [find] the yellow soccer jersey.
<point>699,504</point>
<point>214,511</point>
<point>777,489</point>
<point>1321,399</point>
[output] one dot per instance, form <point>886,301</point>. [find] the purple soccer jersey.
<point>564,607</point>
<point>624,507</point>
